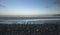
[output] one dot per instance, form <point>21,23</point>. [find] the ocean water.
<point>29,20</point>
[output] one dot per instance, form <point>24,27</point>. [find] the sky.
<point>29,7</point>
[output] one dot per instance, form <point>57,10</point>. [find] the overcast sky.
<point>29,7</point>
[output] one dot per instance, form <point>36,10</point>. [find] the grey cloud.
<point>56,2</point>
<point>2,5</point>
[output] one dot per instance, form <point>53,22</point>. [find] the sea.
<point>30,20</point>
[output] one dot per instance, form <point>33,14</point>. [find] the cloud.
<point>56,2</point>
<point>2,5</point>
